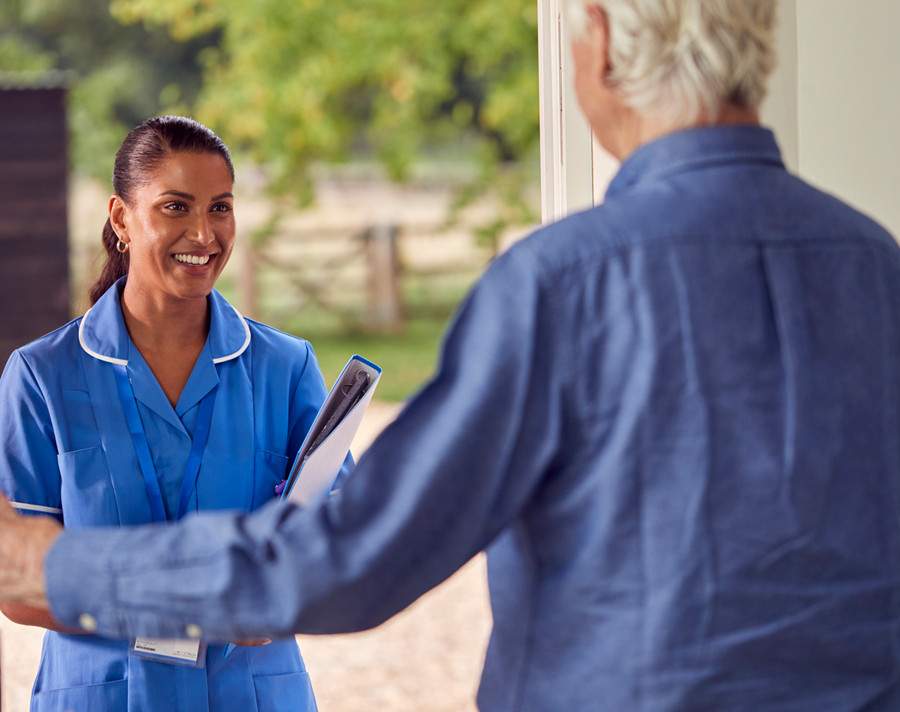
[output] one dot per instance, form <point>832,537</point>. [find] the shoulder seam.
<point>37,384</point>
<point>68,324</point>
<point>305,361</point>
<point>269,327</point>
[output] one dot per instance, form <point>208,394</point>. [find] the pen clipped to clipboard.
<point>327,443</point>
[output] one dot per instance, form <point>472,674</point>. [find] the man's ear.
<point>598,30</point>
<point>116,208</point>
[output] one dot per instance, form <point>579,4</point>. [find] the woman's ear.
<point>117,210</point>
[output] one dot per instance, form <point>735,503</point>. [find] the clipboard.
<point>327,443</point>
<point>320,457</point>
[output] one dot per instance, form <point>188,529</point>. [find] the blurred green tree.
<point>296,82</point>
<point>120,75</point>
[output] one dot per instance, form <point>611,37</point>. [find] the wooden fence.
<point>356,275</point>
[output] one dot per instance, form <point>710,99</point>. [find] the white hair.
<point>679,59</point>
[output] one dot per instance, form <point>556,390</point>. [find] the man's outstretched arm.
<point>455,468</point>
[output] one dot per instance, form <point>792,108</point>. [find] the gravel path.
<point>426,659</point>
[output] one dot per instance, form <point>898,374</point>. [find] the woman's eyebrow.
<point>178,193</point>
<point>188,196</point>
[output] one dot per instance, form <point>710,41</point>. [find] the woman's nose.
<point>202,233</point>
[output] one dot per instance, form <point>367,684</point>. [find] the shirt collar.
<point>103,335</point>
<point>687,150</point>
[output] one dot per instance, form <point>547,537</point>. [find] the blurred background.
<point>386,150</point>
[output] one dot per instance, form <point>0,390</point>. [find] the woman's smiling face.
<point>179,225</point>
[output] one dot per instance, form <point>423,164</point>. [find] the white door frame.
<point>566,147</point>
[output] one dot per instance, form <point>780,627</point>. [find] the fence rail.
<point>356,275</point>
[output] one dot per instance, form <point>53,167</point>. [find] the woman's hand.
<point>24,543</point>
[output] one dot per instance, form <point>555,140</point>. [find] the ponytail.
<point>116,264</point>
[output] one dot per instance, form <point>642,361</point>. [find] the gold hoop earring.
<point>122,246</point>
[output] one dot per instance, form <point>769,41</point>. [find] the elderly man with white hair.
<point>673,420</point>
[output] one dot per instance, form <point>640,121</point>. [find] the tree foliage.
<point>120,75</point>
<point>293,83</point>
<point>296,82</point>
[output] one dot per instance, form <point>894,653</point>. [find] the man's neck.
<point>159,323</point>
<point>641,130</point>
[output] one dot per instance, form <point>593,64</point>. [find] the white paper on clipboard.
<point>313,472</point>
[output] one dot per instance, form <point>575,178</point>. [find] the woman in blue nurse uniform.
<point>161,400</point>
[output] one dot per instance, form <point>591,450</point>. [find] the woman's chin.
<point>191,289</point>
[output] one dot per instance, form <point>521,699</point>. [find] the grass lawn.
<point>408,359</point>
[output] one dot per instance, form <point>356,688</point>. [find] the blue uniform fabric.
<point>674,420</point>
<point>66,446</point>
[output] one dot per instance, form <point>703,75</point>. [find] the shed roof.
<point>24,81</point>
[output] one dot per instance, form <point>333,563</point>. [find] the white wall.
<point>835,100</point>
<point>849,102</point>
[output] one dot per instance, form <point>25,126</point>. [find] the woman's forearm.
<point>41,617</point>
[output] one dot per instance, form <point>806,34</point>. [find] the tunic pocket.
<point>78,426</point>
<point>270,469</point>
<point>106,696</point>
<point>291,692</point>
<point>87,494</point>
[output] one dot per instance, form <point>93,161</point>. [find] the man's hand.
<point>24,543</point>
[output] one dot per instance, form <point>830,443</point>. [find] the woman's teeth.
<point>192,259</point>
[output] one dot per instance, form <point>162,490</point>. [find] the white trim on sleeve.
<point>36,508</point>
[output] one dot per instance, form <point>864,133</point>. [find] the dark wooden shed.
<point>34,249</point>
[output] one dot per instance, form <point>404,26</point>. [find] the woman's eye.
<point>176,205</point>
<point>221,208</point>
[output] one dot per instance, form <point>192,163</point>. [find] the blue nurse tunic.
<point>67,452</point>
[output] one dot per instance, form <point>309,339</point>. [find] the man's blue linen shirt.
<point>674,420</point>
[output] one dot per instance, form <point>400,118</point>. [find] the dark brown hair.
<point>143,149</point>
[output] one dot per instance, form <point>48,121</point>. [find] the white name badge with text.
<point>175,652</point>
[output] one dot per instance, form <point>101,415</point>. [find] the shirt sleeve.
<point>309,396</point>
<point>29,472</point>
<point>458,465</point>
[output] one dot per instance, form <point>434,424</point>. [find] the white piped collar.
<point>103,335</point>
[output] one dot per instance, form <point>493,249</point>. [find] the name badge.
<point>174,652</point>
